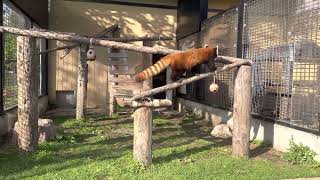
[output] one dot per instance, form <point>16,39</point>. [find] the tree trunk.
<point>242,112</point>
<point>82,83</point>
<point>28,83</point>
<point>142,144</point>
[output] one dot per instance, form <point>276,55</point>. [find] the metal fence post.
<point>1,60</point>
<point>240,29</point>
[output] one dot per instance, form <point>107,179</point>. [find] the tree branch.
<point>86,40</point>
<point>186,81</point>
<point>104,43</point>
<point>104,33</point>
<point>101,34</point>
<point>144,38</point>
<point>122,39</point>
<point>58,49</point>
<point>229,60</point>
<point>122,102</point>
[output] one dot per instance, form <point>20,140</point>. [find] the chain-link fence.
<point>221,31</point>
<point>282,38</point>
<point>14,17</point>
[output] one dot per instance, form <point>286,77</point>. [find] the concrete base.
<point>10,117</point>
<point>278,135</point>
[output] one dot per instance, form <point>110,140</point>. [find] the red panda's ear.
<point>206,45</point>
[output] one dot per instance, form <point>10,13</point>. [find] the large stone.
<point>221,130</point>
<point>230,124</point>
<point>47,131</point>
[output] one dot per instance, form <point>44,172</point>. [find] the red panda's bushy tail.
<point>153,70</point>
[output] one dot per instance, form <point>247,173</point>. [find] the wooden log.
<point>58,49</point>
<point>142,133</point>
<point>112,71</point>
<point>86,40</point>
<point>185,81</point>
<point>122,39</point>
<point>106,31</point>
<point>122,102</point>
<point>104,43</point>
<point>82,83</point>
<point>242,112</point>
<point>101,34</point>
<point>142,129</point>
<point>28,83</point>
<point>229,60</point>
<point>144,38</point>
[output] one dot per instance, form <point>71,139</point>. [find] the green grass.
<point>102,149</point>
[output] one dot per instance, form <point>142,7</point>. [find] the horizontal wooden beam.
<point>122,102</point>
<point>198,77</point>
<point>86,40</point>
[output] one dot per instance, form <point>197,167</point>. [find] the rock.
<point>47,131</point>
<point>216,120</point>
<point>14,134</point>
<point>230,124</point>
<point>221,130</point>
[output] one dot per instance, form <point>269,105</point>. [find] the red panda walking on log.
<point>180,62</point>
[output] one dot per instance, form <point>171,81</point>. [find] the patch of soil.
<point>266,153</point>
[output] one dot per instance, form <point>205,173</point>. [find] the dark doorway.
<point>160,79</point>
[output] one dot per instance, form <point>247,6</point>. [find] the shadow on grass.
<point>73,156</point>
<point>180,155</point>
<point>260,149</point>
<point>96,147</point>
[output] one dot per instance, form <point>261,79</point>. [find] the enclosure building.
<point>281,37</point>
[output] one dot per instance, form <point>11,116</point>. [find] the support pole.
<point>82,83</point>
<point>28,82</point>
<point>242,112</point>
<point>142,130</point>
<point>1,62</point>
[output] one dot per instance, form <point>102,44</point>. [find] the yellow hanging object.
<point>214,88</point>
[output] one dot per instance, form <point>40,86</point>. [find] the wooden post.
<point>142,143</point>
<point>242,112</point>
<point>111,91</point>
<point>28,83</point>
<point>82,83</point>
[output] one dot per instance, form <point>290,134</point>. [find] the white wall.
<point>278,135</point>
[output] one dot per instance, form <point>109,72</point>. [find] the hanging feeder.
<point>91,54</point>
<point>214,86</point>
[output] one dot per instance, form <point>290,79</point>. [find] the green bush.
<point>299,154</point>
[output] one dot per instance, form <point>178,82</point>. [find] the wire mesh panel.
<point>221,31</point>
<point>191,91</point>
<point>41,45</point>
<point>282,39</point>
<point>12,17</point>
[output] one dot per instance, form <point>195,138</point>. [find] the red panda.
<point>180,62</point>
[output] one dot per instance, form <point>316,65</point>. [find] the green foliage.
<point>117,108</point>
<point>299,154</point>
<point>102,149</point>
<point>262,144</point>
